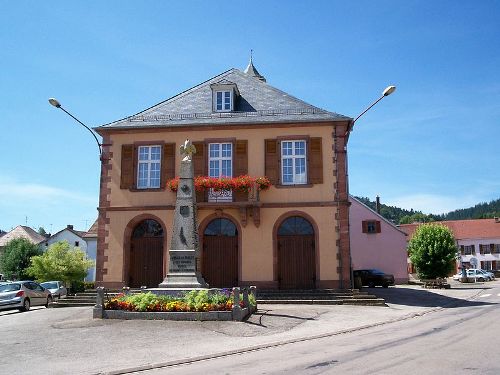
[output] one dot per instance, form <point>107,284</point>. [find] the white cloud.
<point>433,203</point>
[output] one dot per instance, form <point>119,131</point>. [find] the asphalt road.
<point>455,340</point>
<point>278,338</point>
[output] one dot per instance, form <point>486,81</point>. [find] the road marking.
<point>485,295</point>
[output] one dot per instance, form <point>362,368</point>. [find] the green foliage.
<point>61,262</point>
<point>432,250</point>
<point>16,258</point>
<point>41,230</point>
<point>402,216</point>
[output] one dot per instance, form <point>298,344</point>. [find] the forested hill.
<point>401,216</point>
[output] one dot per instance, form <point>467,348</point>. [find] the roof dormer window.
<point>223,101</point>
<point>224,96</point>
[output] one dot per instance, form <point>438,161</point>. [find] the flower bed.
<point>200,304</point>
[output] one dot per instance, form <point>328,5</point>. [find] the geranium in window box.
<point>263,183</point>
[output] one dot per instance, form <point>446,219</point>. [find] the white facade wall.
<point>493,257</point>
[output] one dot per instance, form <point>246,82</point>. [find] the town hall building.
<point>291,235</point>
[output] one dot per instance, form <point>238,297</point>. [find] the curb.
<point>177,362</point>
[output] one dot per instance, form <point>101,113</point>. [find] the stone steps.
<point>319,297</point>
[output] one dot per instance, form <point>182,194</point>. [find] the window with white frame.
<point>223,101</point>
<point>496,248</point>
<point>220,160</point>
<point>149,167</point>
<point>293,162</point>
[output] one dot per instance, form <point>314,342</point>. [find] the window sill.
<point>294,186</point>
<point>148,189</point>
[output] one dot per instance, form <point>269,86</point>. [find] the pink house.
<point>376,242</point>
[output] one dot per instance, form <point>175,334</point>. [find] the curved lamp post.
<point>54,102</point>
<point>388,91</point>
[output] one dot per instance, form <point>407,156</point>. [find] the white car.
<point>477,274</point>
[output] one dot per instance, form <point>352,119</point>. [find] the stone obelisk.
<point>184,252</point>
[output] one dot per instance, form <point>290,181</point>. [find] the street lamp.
<point>388,91</point>
<point>54,102</point>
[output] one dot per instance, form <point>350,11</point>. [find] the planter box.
<point>180,316</point>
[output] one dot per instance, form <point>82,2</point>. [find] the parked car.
<point>374,277</point>
<point>56,288</point>
<point>22,295</point>
<point>490,274</point>
<point>477,274</point>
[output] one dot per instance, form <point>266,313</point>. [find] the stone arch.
<point>202,228</point>
<point>127,242</point>
<point>277,225</point>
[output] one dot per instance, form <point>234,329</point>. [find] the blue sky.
<point>434,145</point>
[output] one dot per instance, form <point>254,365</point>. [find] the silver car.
<point>56,288</point>
<point>22,295</point>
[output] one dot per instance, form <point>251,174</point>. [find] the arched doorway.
<point>220,254</point>
<point>296,254</point>
<point>146,254</point>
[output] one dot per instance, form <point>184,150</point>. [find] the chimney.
<point>377,204</point>
<point>69,226</point>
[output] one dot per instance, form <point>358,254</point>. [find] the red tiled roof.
<point>464,229</point>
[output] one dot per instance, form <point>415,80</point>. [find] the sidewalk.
<point>62,341</point>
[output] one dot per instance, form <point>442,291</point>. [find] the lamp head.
<point>389,90</point>
<point>54,102</point>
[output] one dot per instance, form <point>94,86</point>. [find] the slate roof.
<point>258,103</point>
<point>464,229</point>
<point>22,231</point>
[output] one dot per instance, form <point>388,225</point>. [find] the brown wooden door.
<point>296,262</point>
<point>146,261</point>
<point>220,261</point>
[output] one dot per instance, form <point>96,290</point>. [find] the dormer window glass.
<point>223,101</point>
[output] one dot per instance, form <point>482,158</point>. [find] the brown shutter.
<point>315,160</point>
<point>127,167</point>
<point>272,161</point>
<point>378,227</point>
<point>473,249</point>
<point>199,160</point>
<point>481,249</point>
<point>364,226</point>
<point>462,250</point>
<point>167,164</point>
<point>240,158</point>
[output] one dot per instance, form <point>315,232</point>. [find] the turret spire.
<point>251,70</point>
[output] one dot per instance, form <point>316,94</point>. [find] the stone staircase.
<point>319,297</point>
<point>87,298</point>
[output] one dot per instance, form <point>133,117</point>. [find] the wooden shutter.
<point>473,249</point>
<point>272,161</point>
<point>315,160</point>
<point>199,159</point>
<point>378,228</point>
<point>240,158</point>
<point>462,250</point>
<point>364,226</point>
<point>127,167</point>
<point>481,249</point>
<point>167,163</point>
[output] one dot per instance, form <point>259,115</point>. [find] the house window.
<point>220,159</point>
<point>149,167</point>
<point>223,101</point>
<point>220,164</point>
<point>293,160</point>
<point>496,248</point>
<point>469,250</point>
<point>485,249</point>
<point>486,265</point>
<point>77,243</point>
<point>371,226</point>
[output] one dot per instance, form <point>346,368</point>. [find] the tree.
<point>16,258</point>
<point>42,231</point>
<point>433,250</point>
<point>60,262</point>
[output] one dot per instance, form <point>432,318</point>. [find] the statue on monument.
<point>188,149</point>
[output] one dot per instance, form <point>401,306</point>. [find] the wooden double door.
<point>296,254</point>
<point>146,255</point>
<point>220,254</point>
